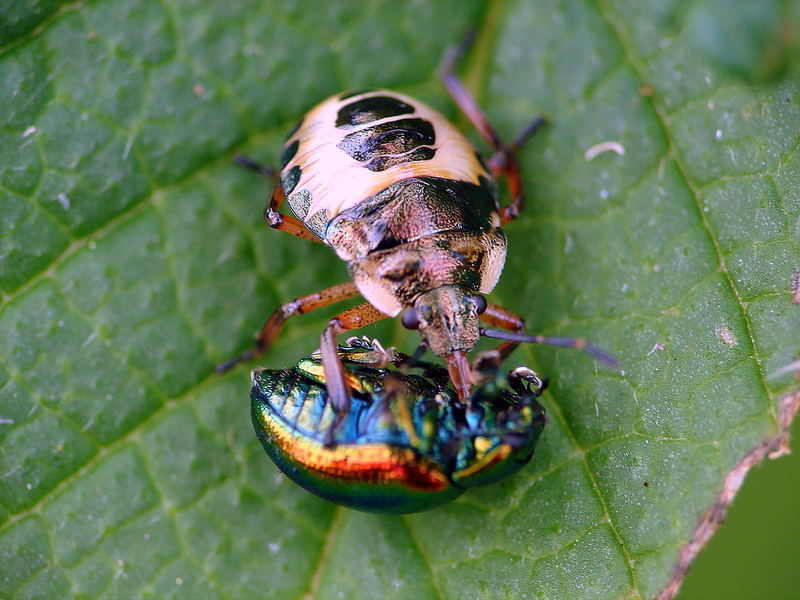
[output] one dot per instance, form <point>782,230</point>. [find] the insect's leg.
<point>463,99</point>
<point>275,219</point>
<point>338,393</point>
<point>298,306</point>
<point>503,162</point>
<point>283,222</point>
<point>354,318</point>
<point>395,390</point>
<point>497,316</point>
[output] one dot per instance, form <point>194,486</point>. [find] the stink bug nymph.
<point>405,200</point>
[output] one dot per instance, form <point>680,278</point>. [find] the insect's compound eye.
<point>480,303</point>
<point>410,319</point>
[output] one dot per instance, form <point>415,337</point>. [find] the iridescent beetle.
<point>406,443</point>
<point>404,198</point>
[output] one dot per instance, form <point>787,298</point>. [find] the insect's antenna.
<point>566,342</point>
<point>247,163</point>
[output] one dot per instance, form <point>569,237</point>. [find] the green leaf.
<point>133,259</point>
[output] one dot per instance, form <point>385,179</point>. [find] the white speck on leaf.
<point>89,339</point>
<point>29,131</point>
<point>63,200</point>
<point>609,146</point>
<point>11,472</point>
<point>726,336</point>
<point>253,49</point>
<point>718,134</point>
<point>127,150</point>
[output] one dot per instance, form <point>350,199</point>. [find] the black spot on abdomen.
<point>381,163</point>
<point>290,179</point>
<point>294,128</point>
<point>371,109</point>
<point>394,142</point>
<point>289,152</point>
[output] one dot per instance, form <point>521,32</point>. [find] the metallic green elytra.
<point>407,444</point>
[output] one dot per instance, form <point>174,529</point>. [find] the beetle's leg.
<point>275,219</point>
<point>504,161</point>
<point>338,393</point>
<point>497,316</point>
<point>298,306</point>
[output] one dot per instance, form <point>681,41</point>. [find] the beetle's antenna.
<point>567,342</point>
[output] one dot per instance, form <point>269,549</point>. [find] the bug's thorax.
<point>417,235</point>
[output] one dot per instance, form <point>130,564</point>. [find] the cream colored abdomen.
<point>332,181</point>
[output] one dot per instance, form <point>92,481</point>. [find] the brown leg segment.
<point>339,395</point>
<point>275,219</point>
<point>299,306</point>
<point>282,222</point>
<point>503,162</point>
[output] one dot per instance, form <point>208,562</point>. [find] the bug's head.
<point>447,320</point>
